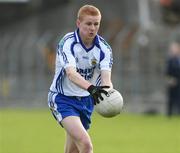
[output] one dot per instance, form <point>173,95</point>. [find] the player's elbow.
<point>70,73</point>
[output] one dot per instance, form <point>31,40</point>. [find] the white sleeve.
<point>66,57</point>
<point>107,61</point>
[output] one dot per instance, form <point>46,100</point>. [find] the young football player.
<point>82,74</point>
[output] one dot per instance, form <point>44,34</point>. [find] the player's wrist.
<point>91,89</point>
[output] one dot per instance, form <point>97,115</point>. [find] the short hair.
<point>88,10</point>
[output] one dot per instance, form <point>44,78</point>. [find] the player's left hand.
<point>96,92</point>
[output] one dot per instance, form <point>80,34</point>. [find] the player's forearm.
<point>77,79</point>
<point>106,79</point>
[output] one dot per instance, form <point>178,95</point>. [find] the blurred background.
<point>139,32</point>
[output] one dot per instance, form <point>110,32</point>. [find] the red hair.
<point>88,10</point>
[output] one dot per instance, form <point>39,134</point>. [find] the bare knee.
<point>86,145</point>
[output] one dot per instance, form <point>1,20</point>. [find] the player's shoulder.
<point>67,39</point>
<point>68,35</point>
<point>103,43</point>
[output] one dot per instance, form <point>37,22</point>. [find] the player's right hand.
<point>96,91</point>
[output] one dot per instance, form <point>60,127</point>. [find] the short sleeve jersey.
<point>89,62</point>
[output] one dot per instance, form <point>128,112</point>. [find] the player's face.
<point>88,27</point>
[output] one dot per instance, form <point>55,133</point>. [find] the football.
<point>111,105</point>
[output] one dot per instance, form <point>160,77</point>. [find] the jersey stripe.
<point>72,48</point>
<point>98,81</point>
<point>101,55</point>
<point>65,58</point>
<point>59,81</point>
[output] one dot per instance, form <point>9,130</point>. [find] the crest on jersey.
<point>94,61</point>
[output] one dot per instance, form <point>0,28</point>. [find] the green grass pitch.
<point>36,131</point>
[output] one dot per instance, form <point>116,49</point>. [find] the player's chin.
<point>92,36</point>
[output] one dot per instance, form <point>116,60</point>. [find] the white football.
<point>111,105</point>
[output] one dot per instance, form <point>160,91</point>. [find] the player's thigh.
<point>75,129</point>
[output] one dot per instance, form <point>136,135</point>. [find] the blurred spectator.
<point>173,79</point>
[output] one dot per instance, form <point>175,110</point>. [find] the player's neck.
<point>87,43</point>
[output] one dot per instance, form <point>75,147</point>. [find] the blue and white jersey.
<point>88,63</point>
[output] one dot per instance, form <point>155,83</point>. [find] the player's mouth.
<point>91,34</point>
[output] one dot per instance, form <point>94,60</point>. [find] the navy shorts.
<point>63,106</point>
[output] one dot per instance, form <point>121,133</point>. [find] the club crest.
<point>94,61</point>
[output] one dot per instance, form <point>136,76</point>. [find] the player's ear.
<point>77,23</point>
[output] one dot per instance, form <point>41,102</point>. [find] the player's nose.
<point>92,27</point>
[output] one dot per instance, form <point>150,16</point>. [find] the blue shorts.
<point>63,106</point>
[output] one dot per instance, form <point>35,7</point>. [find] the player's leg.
<point>77,132</point>
<point>70,146</point>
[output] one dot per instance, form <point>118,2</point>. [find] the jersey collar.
<point>78,40</point>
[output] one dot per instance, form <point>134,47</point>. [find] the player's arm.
<point>76,78</point>
<point>95,91</point>
<point>106,78</point>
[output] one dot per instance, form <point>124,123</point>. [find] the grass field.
<point>35,131</point>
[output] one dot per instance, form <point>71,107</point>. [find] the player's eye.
<point>96,24</point>
<point>89,23</point>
